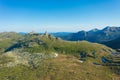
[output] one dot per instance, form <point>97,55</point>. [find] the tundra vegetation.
<point>44,57</point>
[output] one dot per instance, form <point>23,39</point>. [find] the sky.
<point>58,15</point>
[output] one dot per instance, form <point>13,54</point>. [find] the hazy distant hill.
<point>95,35</point>
<point>62,35</point>
<point>22,33</point>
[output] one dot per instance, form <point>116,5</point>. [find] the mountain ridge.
<point>95,35</point>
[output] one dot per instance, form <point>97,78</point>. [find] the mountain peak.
<point>113,29</point>
<point>94,30</point>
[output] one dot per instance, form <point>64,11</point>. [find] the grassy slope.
<point>7,39</point>
<point>64,67</point>
<point>53,44</point>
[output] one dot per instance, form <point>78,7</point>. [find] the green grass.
<point>7,39</point>
<point>64,67</point>
<point>60,68</point>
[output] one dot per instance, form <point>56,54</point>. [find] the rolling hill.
<point>45,57</point>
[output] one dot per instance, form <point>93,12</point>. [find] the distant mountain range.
<point>95,35</point>
<point>62,35</point>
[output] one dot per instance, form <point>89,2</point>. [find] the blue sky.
<point>58,15</point>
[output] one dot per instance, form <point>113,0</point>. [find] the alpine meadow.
<point>59,40</point>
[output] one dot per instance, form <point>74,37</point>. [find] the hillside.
<point>115,44</point>
<point>45,57</point>
<point>106,34</point>
<point>60,68</point>
<point>35,43</point>
<point>7,39</point>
